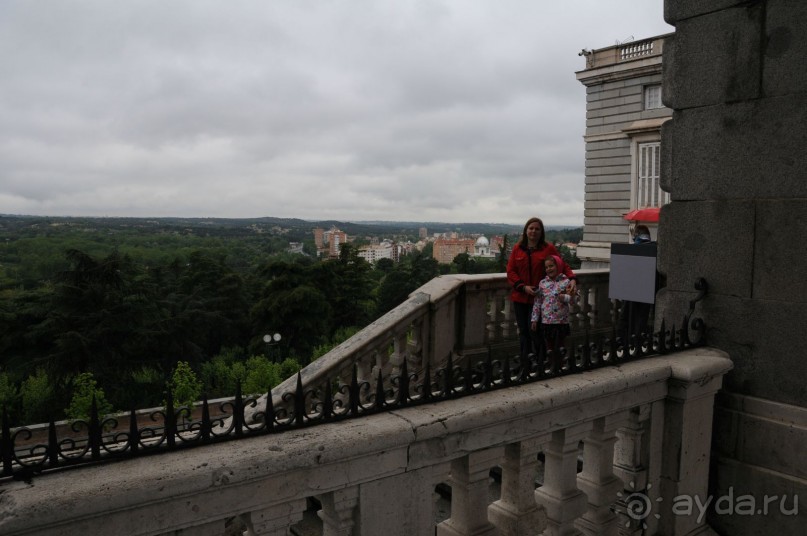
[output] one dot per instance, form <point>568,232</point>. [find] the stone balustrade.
<point>465,316</point>
<point>644,426</point>
<point>641,427</point>
<point>622,52</point>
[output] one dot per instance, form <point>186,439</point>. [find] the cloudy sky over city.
<point>407,110</point>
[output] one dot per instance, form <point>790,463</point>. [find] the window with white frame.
<point>648,187</point>
<point>652,97</point>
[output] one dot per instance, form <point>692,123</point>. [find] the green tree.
<point>461,264</point>
<point>36,393</point>
<point>85,389</point>
<point>185,386</point>
<point>384,265</point>
<point>9,394</point>
<point>504,254</point>
<point>261,375</point>
<point>350,288</point>
<point>408,275</point>
<point>292,302</point>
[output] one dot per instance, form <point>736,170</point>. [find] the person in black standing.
<point>635,316</point>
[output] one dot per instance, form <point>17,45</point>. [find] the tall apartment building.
<point>328,242</point>
<point>335,240</point>
<point>319,238</point>
<point>624,114</point>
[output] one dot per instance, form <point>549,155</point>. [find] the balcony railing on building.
<point>453,338</point>
<point>623,52</point>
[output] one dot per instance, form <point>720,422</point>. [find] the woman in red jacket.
<point>525,269</point>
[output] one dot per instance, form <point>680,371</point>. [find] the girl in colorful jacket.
<point>551,309</point>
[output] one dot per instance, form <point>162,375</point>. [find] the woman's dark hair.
<point>541,240</point>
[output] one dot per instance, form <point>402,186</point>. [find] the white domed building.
<point>482,248</point>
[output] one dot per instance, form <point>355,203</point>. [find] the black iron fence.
<point>107,439</point>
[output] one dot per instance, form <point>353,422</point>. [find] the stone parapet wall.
<point>646,421</point>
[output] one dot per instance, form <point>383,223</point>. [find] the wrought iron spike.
<point>170,420</point>
<point>506,379</point>
<point>52,458</point>
<point>207,426</point>
<point>299,401</point>
<point>134,433</point>
<point>238,410</point>
<point>427,382</point>
<point>448,383</point>
<point>487,379</point>
<point>403,385</point>
<point>95,430</point>
<point>380,398</point>
<point>269,418</point>
<point>353,391</point>
<point>469,376</point>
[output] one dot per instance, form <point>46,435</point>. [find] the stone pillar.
<point>559,495</point>
<point>597,479</point>
<point>470,481</point>
<point>275,520</point>
<point>516,513</point>
<point>631,465</point>
<point>687,445</point>
<point>400,505</point>
<point>338,512</point>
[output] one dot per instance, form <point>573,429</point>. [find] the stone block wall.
<point>735,164</point>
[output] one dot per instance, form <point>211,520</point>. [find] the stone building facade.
<point>624,114</point>
<point>734,161</point>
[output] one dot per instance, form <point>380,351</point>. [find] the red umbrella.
<point>643,214</point>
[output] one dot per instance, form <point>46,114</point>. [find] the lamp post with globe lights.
<point>272,340</point>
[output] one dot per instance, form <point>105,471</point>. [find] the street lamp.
<point>272,340</point>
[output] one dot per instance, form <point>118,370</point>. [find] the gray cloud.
<point>441,110</point>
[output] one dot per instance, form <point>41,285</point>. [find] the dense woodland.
<point>118,308</point>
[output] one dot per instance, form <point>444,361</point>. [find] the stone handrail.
<point>461,315</point>
<point>645,427</point>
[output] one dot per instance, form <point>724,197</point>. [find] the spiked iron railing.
<point>328,399</point>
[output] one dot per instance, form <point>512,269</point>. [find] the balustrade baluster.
<point>415,346</point>
<point>597,479</point>
<point>559,495</point>
<point>494,325</point>
<point>338,512</point>
<point>399,351</point>
<point>631,460</point>
<point>508,318</point>
<point>365,368</point>
<point>517,513</point>
<point>580,309</point>
<point>469,480</point>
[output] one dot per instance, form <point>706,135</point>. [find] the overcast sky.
<point>417,110</point>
